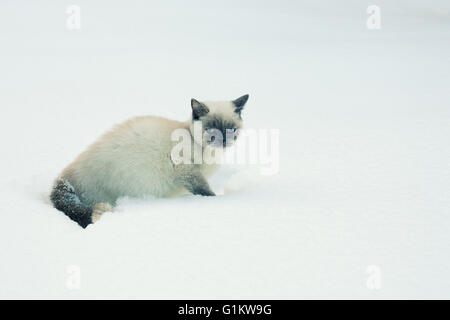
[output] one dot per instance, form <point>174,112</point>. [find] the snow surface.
<point>364,173</point>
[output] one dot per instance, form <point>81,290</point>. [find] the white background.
<point>364,173</point>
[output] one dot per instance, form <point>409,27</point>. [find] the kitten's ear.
<point>240,103</point>
<point>198,109</point>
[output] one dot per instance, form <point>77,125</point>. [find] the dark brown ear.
<point>240,103</point>
<point>198,109</point>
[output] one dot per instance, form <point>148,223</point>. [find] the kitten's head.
<point>220,120</point>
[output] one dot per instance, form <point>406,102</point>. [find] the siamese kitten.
<point>134,159</point>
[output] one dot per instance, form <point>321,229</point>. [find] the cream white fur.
<point>133,159</point>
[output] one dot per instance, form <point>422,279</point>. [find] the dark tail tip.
<point>65,199</point>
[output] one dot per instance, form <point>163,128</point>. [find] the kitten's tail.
<point>65,199</point>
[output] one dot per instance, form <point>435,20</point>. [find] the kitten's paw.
<point>99,209</point>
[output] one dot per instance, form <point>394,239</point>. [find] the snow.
<point>364,175</point>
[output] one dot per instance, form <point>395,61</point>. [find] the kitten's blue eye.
<point>210,130</point>
<point>232,129</point>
